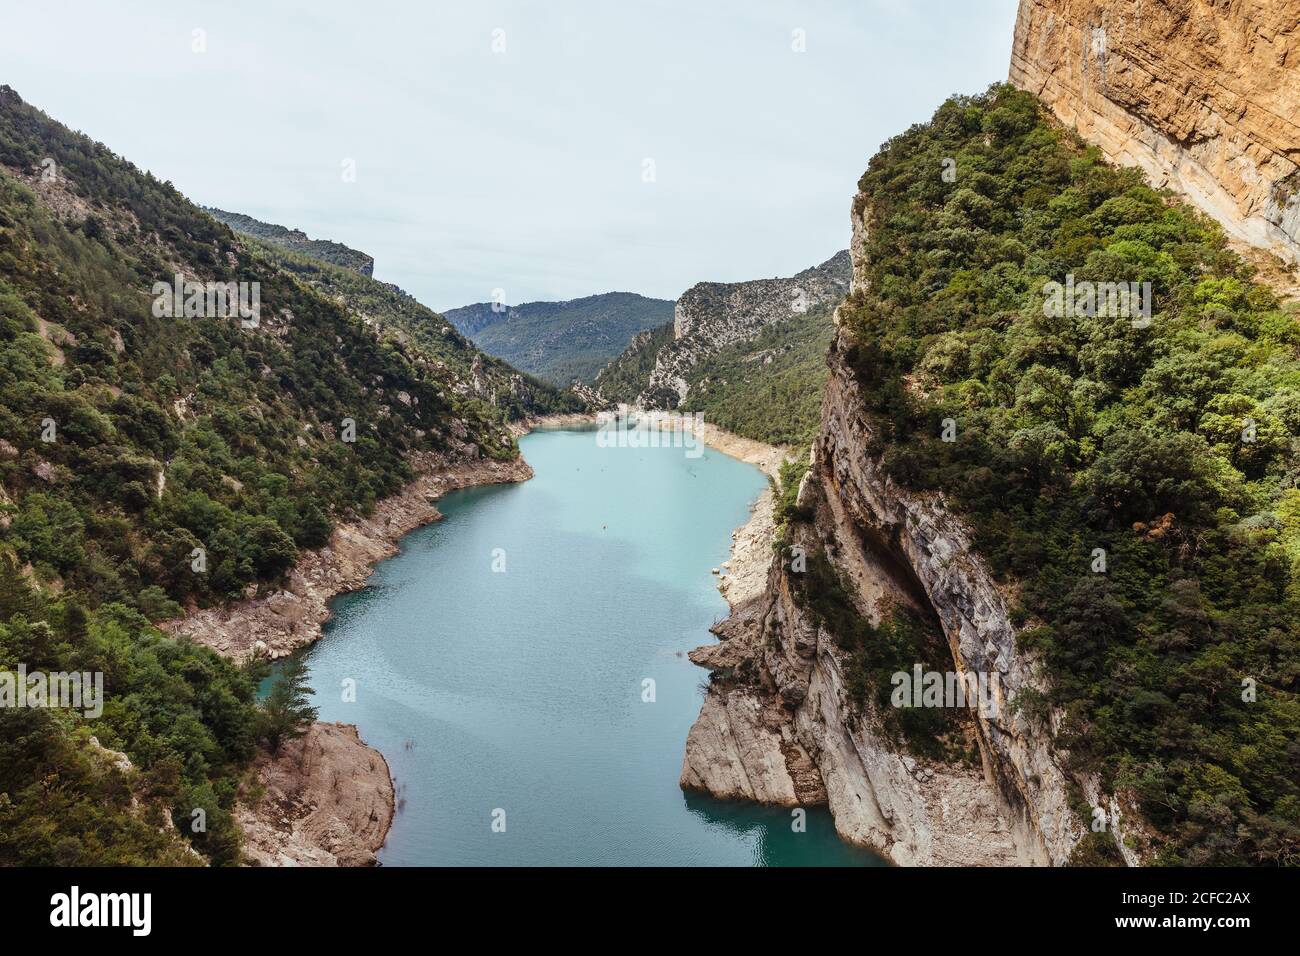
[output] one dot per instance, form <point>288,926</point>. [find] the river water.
<point>501,665</point>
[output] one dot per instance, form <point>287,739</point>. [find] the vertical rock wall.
<point>1203,95</point>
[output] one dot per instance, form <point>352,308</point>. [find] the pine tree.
<point>287,711</point>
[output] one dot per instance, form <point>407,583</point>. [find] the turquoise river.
<point>501,662</point>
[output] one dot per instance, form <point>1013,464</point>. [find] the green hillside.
<point>295,240</point>
<point>497,389</point>
<point>624,378</point>
<point>131,440</point>
<point>770,388</point>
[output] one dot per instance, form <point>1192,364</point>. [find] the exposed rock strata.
<point>326,799</point>
<point>712,315</point>
<point>779,716</point>
<point>1202,95</point>
<point>1028,786</point>
<point>779,723</point>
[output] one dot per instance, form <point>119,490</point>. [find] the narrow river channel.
<point>501,663</point>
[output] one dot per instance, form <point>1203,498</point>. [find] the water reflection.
<point>775,843</point>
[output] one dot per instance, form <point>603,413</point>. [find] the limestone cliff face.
<point>778,724</point>
<point>1203,95</point>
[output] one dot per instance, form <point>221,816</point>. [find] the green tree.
<point>287,711</point>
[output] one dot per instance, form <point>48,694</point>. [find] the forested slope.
<point>295,240</point>
<point>1132,479</point>
<point>149,461</point>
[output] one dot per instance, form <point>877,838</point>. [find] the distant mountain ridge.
<point>561,342</point>
<point>295,240</point>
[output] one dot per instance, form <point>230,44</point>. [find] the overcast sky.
<point>523,168</point>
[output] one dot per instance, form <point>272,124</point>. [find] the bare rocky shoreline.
<point>745,575</point>
<point>291,617</point>
<point>326,799</point>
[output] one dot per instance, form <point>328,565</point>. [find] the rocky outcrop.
<point>1025,790</point>
<point>778,724</point>
<point>752,752</point>
<point>1203,95</point>
<point>291,617</point>
<point>709,316</point>
<point>325,799</point>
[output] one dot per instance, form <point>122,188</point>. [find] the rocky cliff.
<point>655,370</point>
<point>779,725</point>
<point>1203,95</point>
